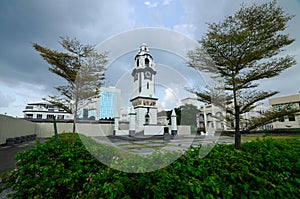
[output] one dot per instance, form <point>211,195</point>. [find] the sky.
<point>25,77</point>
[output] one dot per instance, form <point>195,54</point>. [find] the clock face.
<point>148,74</point>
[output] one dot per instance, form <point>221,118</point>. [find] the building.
<point>103,108</point>
<point>289,121</point>
<point>143,115</point>
<point>44,111</point>
<point>212,118</point>
<point>143,99</point>
<point>189,100</point>
<point>109,102</point>
<point>163,117</point>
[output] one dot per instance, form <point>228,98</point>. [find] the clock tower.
<point>143,99</point>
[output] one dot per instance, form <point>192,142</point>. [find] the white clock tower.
<point>143,99</point>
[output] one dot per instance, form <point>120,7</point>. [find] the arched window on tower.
<point>147,62</point>
<point>137,63</point>
<point>147,85</point>
<point>147,119</point>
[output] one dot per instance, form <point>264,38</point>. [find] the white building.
<point>189,100</point>
<point>45,110</point>
<point>124,114</point>
<point>212,118</point>
<point>289,121</point>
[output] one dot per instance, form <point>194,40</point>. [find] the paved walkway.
<point>148,145</point>
<point>8,153</point>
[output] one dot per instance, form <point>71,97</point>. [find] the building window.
<point>289,106</point>
<point>281,119</point>
<point>232,124</point>
<point>147,62</point>
<point>85,114</point>
<point>147,119</point>
<point>292,118</point>
<point>50,116</point>
<point>29,116</point>
<point>209,117</point>
<point>39,116</point>
<point>201,118</point>
<point>29,107</point>
<point>219,116</point>
<point>278,107</point>
<point>60,117</point>
<point>137,63</point>
<point>147,85</point>
<point>51,106</point>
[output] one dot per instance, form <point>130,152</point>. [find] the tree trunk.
<point>74,129</point>
<point>237,135</point>
<point>74,120</point>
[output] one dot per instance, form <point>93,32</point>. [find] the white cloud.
<point>170,100</point>
<point>151,5</point>
<point>167,2</point>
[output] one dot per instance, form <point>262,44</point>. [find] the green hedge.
<point>263,169</point>
<point>266,132</point>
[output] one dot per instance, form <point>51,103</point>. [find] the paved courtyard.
<point>178,143</point>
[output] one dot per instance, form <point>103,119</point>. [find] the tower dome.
<point>144,50</point>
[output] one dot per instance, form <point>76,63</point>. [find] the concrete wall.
<point>154,130</point>
<point>184,130</point>
<point>12,127</point>
<point>47,129</point>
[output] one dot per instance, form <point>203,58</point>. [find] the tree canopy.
<point>83,69</point>
<point>240,51</point>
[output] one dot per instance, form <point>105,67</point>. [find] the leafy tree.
<point>189,114</point>
<point>83,69</point>
<point>240,51</point>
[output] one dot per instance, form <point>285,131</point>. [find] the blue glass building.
<point>109,103</point>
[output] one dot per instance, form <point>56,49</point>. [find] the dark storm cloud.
<point>5,99</point>
<point>25,22</point>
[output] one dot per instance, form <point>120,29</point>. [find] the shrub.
<point>263,169</point>
<point>51,170</point>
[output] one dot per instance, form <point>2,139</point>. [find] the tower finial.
<point>144,48</point>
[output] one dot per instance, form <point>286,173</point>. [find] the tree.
<point>189,114</point>
<point>240,51</point>
<point>83,69</point>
